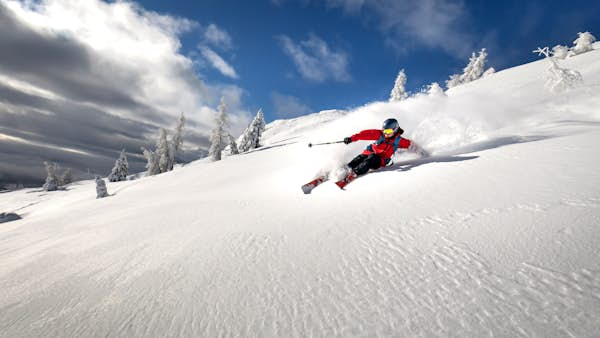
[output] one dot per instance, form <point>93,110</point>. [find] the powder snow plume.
<point>506,107</point>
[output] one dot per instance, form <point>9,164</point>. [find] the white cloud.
<point>315,60</point>
<point>123,36</point>
<point>218,37</point>
<point>406,23</point>
<point>287,106</point>
<point>217,62</point>
<point>99,75</point>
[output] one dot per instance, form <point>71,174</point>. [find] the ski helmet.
<point>390,127</point>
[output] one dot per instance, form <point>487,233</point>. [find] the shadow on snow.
<point>454,154</point>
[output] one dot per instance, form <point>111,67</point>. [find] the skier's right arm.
<point>365,135</point>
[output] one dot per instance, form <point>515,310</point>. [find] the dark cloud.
<point>96,136</point>
<point>79,141</point>
<point>23,163</point>
<point>75,126</point>
<point>61,63</point>
<point>69,123</point>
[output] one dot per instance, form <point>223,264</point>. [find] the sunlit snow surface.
<point>496,234</point>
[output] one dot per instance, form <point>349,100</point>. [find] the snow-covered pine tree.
<point>248,138</point>
<point>251,137</point>
<point>163,158</point>
<point>583,43</point>
<point>162,151</point>
<point>560,52</point>
<point>51,183</point>
<point>151,162</point>
<point>233,145</point>
<point>435,90</point>
<point>67,177</point>
<point>260,122</point>
<point>176,141</point>
<point>471,72</point>
<point>399,93</point>
<point>453,81</point>
<point>475,68</point>
<point>218,137</point>
<point>120,170</point>
<point>259,125</point>
<point>559,79</point>
<point>101,190</point>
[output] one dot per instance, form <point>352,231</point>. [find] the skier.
<point>376,155</point>
<point>379,154</point>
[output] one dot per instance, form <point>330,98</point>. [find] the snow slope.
<point>496,234</point>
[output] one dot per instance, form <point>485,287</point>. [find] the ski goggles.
<point>388,132</point>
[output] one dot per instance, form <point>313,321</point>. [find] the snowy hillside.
<point>496,234</point>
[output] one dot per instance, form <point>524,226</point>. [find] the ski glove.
<point>347,140</point>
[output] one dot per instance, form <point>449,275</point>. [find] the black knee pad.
<point>362,168</point>
<point>374,161</point>
<point>365,163</point>
<point>356,161</point>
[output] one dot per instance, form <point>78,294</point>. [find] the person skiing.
<point>379,154</point>
<point>376,155</point>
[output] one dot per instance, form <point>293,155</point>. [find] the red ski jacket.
<point>384,147</point>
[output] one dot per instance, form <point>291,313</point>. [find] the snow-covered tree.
<point>471,72</point>
<point>560,52</point>
<point>583,43</point>
<point>559,79</point>
<point>120,170</point>
<point>162,151</point>
<point>101,191</point>
<point>162,159</point>
<point>399,93</point>
<point>260,122</point>
<point>176,141</point>
<point>52,182</point>
<point>476,67</point>
<point>434,89</point>
<point>67,177</point>
<point>251,137</point>
<point>151,162</point>
<point>233,145</point>
<point>453,81</point>
<point>218,137</point>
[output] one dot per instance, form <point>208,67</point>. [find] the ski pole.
<point>319,144</point>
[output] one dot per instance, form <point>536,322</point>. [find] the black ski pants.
<point>362,163</point>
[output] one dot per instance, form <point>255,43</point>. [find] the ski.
<point>308,187</point>
<point>346,180</point>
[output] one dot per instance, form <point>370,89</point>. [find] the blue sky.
<point>375,44</point>
<point>81,80</point>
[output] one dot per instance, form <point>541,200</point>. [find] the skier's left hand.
<point>347,140</point>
